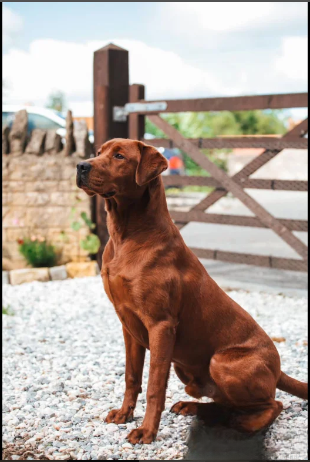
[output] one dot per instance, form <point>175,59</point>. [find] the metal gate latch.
<point>120,113</point>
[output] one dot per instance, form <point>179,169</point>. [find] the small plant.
<point>91,242</point>
<point>37,252</point>
<point>7,310</point>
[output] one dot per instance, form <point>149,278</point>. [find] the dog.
<point>168,303</point>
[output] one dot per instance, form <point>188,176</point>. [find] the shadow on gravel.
<point>218,443</point>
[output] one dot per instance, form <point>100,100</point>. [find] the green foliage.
<point>260,122</point>
<point>91,242</point>
<point>56,101</point>
<point>76,225</point>
<point>87,221</point>
<point>37,252</point>
<point>7,310</point>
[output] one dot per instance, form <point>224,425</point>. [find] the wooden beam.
<point>136,122</point>
<point>234,220</point>
<point>236,103</point>
<point>256,183</point>
<point>238,142</point>
<point>251,259</point>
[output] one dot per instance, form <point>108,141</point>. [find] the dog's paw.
<point>118,416</point>
<point>141,436</point>
<point>184,408</point>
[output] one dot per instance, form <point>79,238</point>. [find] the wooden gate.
<point>114,117</point>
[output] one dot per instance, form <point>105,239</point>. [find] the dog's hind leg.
<point>210,413</point>
<point>182,374</point>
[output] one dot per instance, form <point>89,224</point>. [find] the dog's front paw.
<point>119,416</point>
<point>141,436</point>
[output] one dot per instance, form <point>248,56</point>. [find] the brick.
<point>48,216</point>
<point>14,186</point>
<point>7,264</point>
<point>58,273</point>
<point>84,269</point>
<point>68,185</point>
<point>30,198</point>
<point>6,198</point>
<point>20,276</point>
<point>67,198</point>
<point>41,186</point>
<point>14,216</point>
<point>12,234</point>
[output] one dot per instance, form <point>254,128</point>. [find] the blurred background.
<point>177,50</point>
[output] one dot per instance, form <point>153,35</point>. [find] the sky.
<point>176,49</point>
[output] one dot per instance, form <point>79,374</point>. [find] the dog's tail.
<point>293,386</point>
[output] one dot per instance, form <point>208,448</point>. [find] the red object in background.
<point>175,163</point>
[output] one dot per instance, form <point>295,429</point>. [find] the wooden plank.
<point>230,185</point>
<point>238,142</point>
<point>251,259</point>
<point>236,103</point>
<point>136,122</point>
<point>234,220</point>
<point>111,88</point>
<point>277,185</point>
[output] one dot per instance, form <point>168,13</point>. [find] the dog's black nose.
<point>83,167</point>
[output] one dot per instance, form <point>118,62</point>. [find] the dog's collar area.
<point>108,195</point>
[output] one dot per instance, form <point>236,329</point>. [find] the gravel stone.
<point>5,277</point>
<point>63,370</point>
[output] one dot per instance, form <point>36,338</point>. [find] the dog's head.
<point>120,168</point>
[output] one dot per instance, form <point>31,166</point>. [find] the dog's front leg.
<point>161,341</point>
<point>135,354</point>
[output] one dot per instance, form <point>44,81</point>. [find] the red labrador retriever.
<point>168,303</point>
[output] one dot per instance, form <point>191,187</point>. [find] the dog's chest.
<point>120,292</point>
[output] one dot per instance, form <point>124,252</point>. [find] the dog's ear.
<point>151,164</point>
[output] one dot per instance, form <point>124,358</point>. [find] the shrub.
<point>37,252</point>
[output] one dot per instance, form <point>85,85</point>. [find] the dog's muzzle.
<point>83,169</point>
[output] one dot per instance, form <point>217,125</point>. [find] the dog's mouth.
<point>82,183</point>
<point>109,194</point>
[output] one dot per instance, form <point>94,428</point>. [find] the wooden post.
<point>111,88</point>
<point>136,121</point>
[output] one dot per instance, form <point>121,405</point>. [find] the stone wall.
<point>39,192</point>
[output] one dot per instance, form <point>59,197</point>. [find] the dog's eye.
<point>118,156</point>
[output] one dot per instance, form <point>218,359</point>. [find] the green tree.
<point>56,101</point>
<point>260,122</point>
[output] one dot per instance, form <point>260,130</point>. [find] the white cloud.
<point>12,25</point>
<point>223,16</point>
<point>55,65</point>
<point>293,61</point>
<point>194,17</point>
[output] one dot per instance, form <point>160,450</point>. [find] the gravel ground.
<point>64,370</point>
